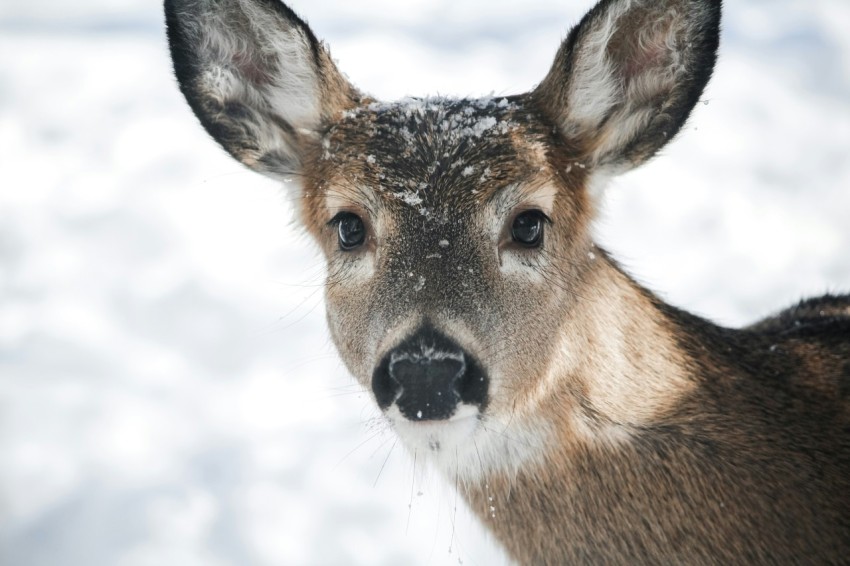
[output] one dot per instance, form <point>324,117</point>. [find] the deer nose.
<point>428,385</point>
<point>428,376</point>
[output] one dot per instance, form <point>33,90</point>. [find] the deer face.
<point>451,236</point>
<point>456,231</point>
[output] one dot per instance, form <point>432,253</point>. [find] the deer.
<point>582,418</point>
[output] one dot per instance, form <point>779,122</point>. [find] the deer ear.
<point>256,77</point>
<point>627,77</point>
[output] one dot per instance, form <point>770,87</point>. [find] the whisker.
<point>381,471</point>
<point>412,487</point>
<point>454,511</point>
<point>356,448</point>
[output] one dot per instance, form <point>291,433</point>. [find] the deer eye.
<point>527,228</point>
<point>351,230</point>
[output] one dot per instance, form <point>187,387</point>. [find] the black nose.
<point>427,376</point>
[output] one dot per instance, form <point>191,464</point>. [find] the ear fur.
<point>626,78</point>
<point>256,77</point>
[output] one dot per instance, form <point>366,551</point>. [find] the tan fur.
<point>607,427</point>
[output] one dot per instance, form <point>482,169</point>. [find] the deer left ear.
<point>256,77</point>
<point>627,77</point>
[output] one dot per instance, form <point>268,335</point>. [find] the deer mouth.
<point>436,435</point>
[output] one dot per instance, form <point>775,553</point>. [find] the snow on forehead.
<point>420,151</point>
<point>412,106</point>
<point>455,119</point>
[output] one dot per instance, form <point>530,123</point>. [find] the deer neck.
<point>619,369</point>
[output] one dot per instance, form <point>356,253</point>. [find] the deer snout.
<point>428,376</point>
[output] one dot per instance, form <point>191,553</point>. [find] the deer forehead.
<point>437,157</point>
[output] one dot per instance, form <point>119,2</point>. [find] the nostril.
<point>384,386</point>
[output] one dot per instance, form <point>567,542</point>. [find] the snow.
<point>409,197</point>
<point>168,392</point>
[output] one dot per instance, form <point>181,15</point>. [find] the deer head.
<point>456,231</point>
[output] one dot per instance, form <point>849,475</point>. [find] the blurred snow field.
<point>168,391</point>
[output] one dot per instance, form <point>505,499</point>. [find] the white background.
<point>168,391</point>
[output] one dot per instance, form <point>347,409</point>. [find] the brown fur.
<point>615,428</point>
<point>746,464</point>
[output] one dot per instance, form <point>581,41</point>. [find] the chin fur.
<point>470,445</point>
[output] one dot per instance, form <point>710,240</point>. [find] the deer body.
<point>583,419</point>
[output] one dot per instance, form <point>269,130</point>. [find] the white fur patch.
<point>469,446</point>
<point>598,182</point>
<point>354,268</point>
<point>517,264</point>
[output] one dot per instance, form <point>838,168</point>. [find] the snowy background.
<point>168,391</point>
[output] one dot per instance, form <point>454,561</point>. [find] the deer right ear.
<point>256,77</point>
<point>627,77</point>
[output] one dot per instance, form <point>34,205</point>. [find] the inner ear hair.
<point>627,77</point>
<point>256,77</point>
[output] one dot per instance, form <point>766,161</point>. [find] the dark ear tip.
<point>172,7</point>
